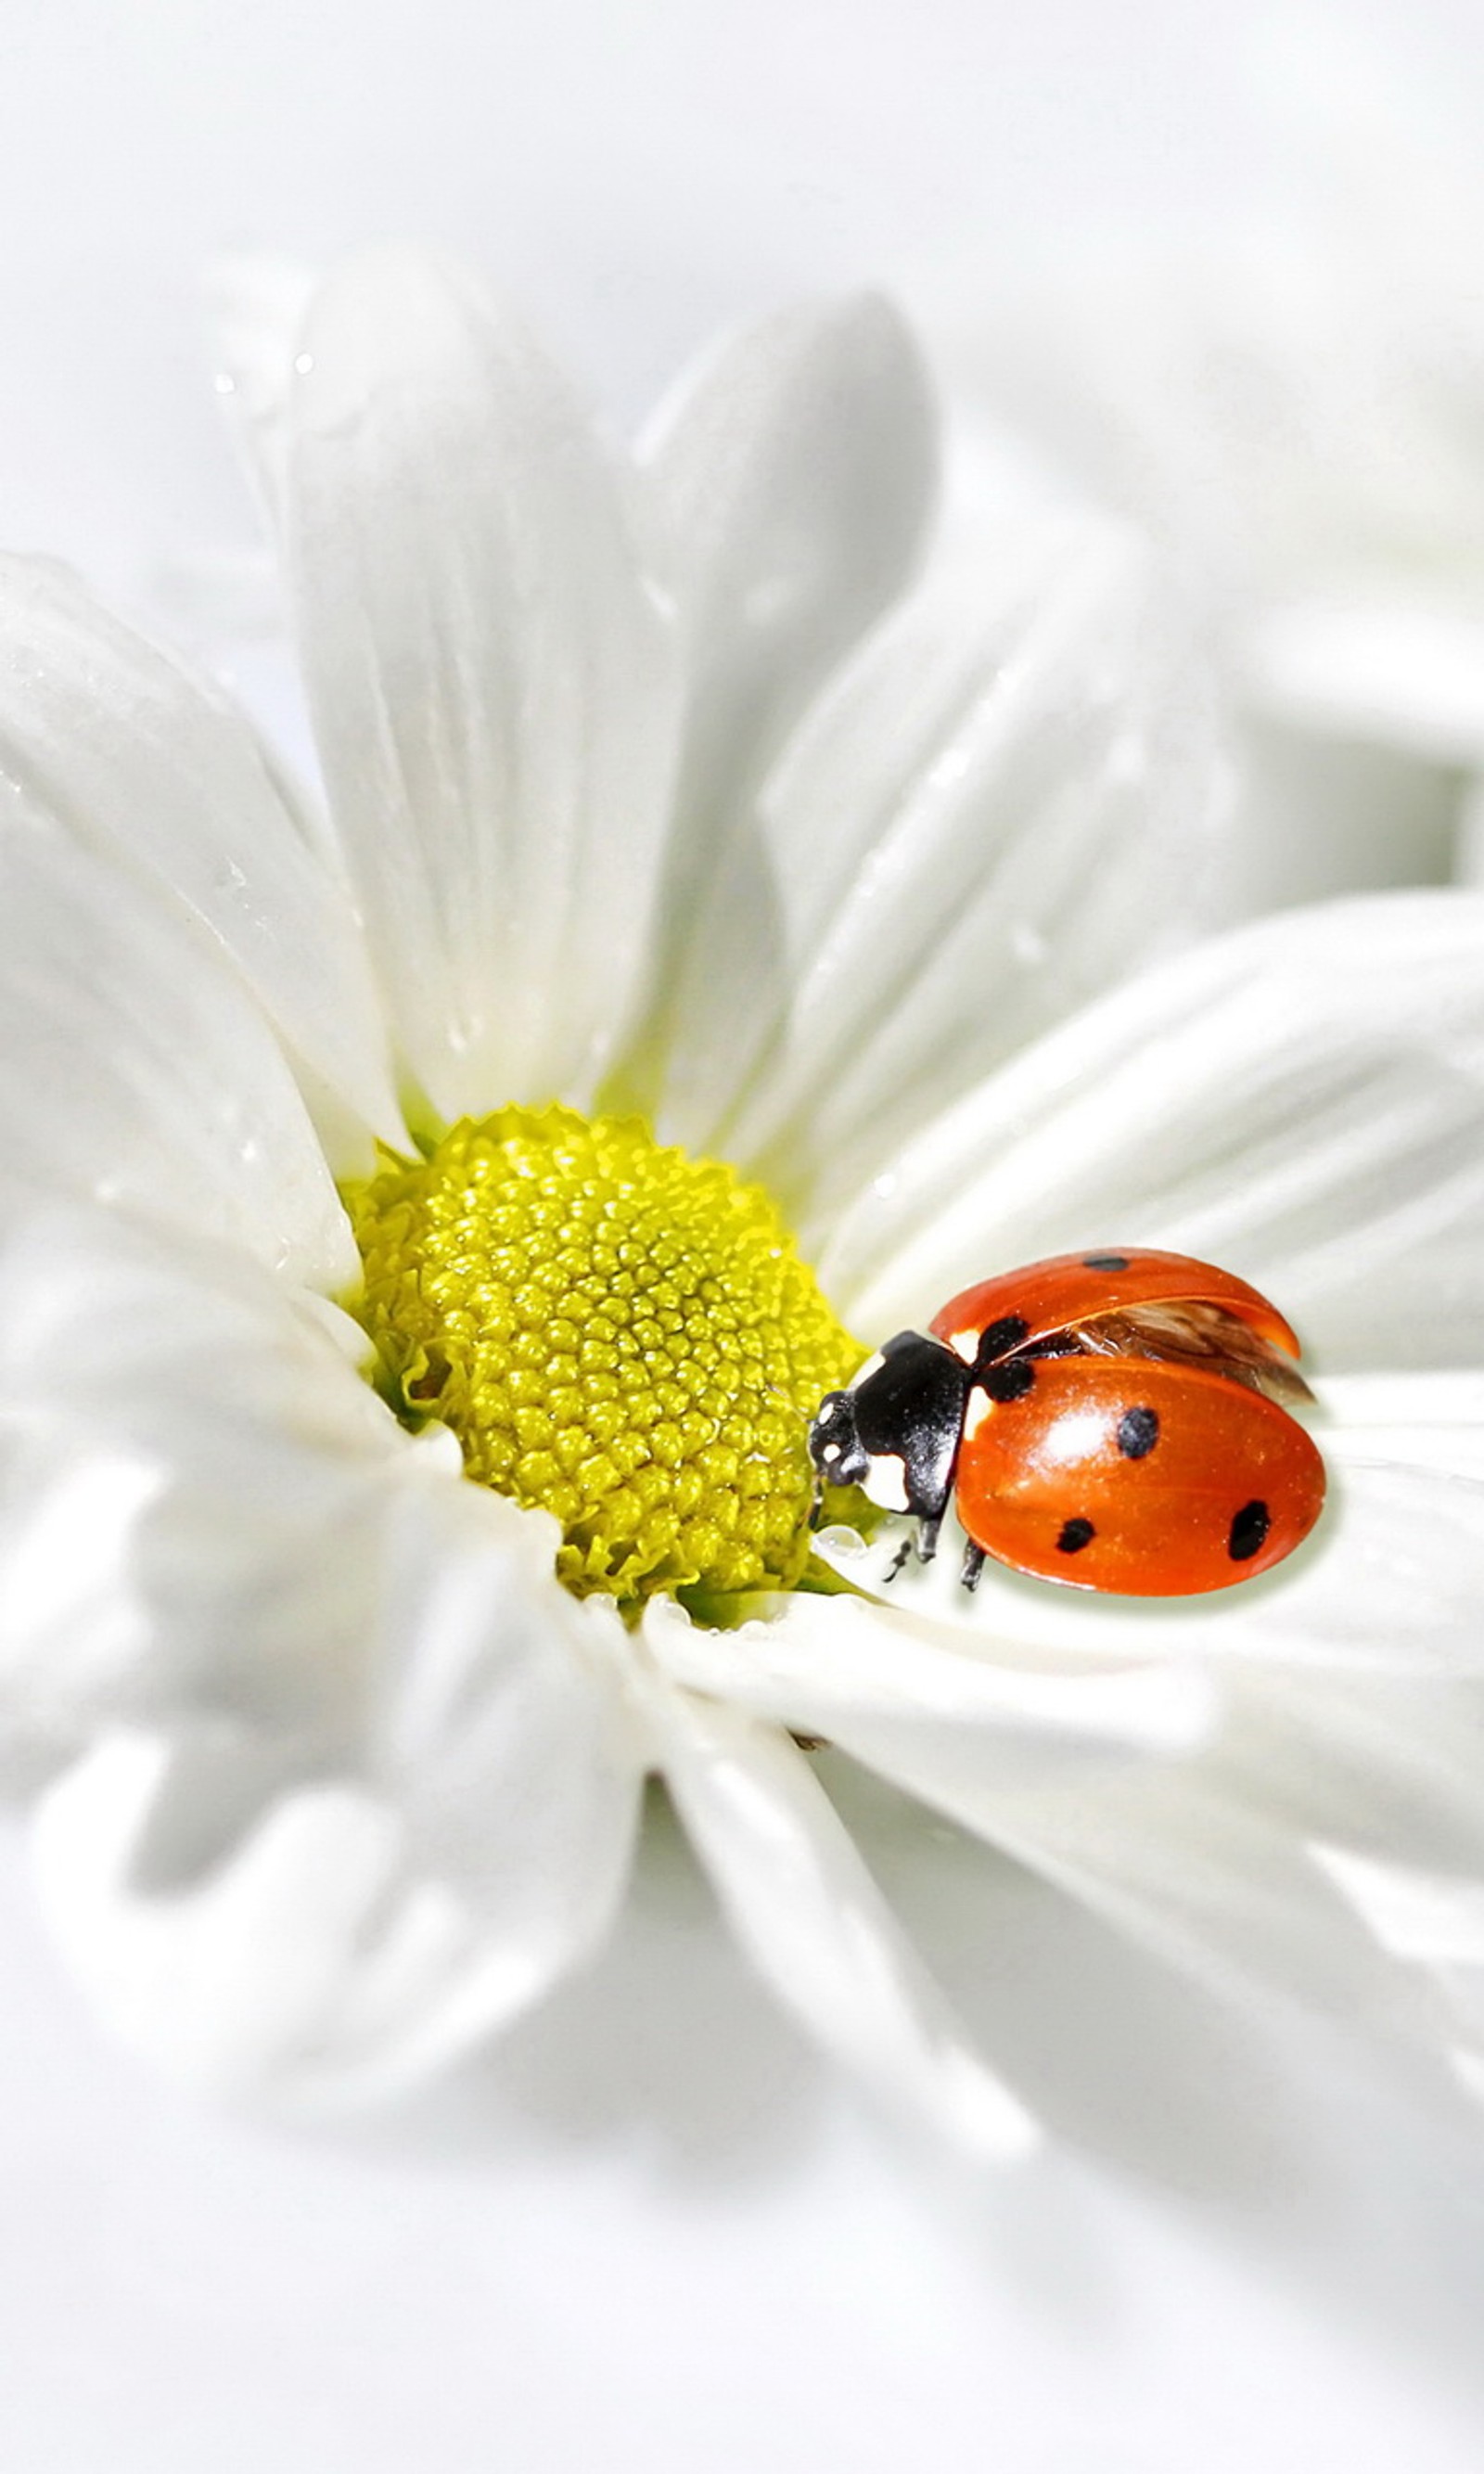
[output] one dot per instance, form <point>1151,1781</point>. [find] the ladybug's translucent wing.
<point>1192,1333</point>
<point>1145,1479</point>
<point>1024,1306</point>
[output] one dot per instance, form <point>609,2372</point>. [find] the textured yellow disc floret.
<point>617,1333</point>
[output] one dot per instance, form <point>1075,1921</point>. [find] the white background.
<point>634,171</point>
<point>651,2233</point>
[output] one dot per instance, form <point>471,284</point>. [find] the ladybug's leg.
<point>927,1537</point>
<point>898,1560</point>
<point>973,1565</point>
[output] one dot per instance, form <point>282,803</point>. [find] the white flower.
<point>668,780</point>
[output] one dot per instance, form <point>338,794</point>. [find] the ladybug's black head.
<point>895,1433</point>
<point>835,1444</point>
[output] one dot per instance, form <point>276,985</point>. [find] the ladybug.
<point>1115,1421</point>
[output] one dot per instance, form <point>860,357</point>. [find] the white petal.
<point>1433,1420</point>
<point>1225,1864</point>
<point>134,756</point>
<point>794,469</point>
<point>304,1965</point>
<point>1430,1920</point>
<point>140,1071</point>
<point>492,679</point>
<point>1379,662</point>
<point>324,1940</point>
<point>794,474</point>
<point>1187,1866</point>
<point>1303,1101</point>
<point>1313,818</point>
<point>194,1479</point>
<point>857,1672</point>
<point>1001,808</point>
<point>1378,1777</point>
<point>1385,1765</point>
<point>218,1978</point>
<point>815,1924</point>
<point>1392,1579</point>
<point>75,1633</point>
<point>1205,1856</point>
<point>500,1729</point>
<point>1198,1845</point>
<point>1419,1915</point>
<point>256,306</point>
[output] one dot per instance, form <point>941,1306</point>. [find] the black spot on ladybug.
<point>1075,1535</point>
<point>1106,1262</point>
<point>998,1339</point>
<point>1138,1432</point>
<point>1010,1381</point>
<point>1249,1529</point>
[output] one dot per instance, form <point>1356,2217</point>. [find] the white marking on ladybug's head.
<point>966,1344</point>
<point>979,1407</point>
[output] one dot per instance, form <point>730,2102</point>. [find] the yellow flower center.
<point>617,1333</point>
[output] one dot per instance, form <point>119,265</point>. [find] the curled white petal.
<point>500,1722</point>
<point>302,1963</point>
<point>191,1481</point>
<point>327,1938</point>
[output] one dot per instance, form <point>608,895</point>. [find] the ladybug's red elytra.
<point>1114,1421</point>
